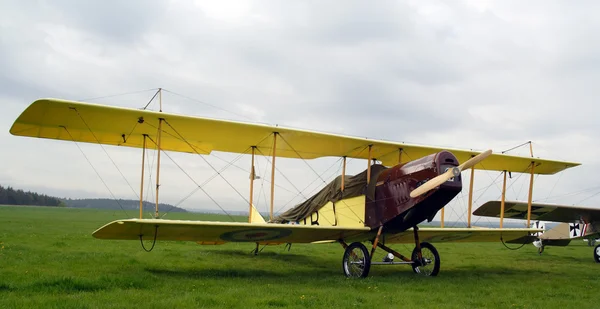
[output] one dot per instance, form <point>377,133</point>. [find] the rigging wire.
<point>206,161</point>
<point>208,104</point>
<point>198,185</point>
<point>303,160</point>
<point>104,149</point>
<point>96,171</point>
<point>282,174</point>
<point>152,99</point>
<point>118,95</point>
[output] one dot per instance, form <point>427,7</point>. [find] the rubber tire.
<point>436,263</point>
<point>540,250</point>
<point>367,260</point>
<point>597,254</point>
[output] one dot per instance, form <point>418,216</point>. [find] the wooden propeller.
<point>451,172</point>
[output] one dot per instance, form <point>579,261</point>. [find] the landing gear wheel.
<point>357,261</point>
<point>540,250</point>
<point>597,254</point>
<point>429,265</point>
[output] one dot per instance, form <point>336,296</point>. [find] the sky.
<point>460,74</point>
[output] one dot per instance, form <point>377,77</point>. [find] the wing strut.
<point>142,181</point>
<point>251,185</point>
<point>530,197</point>
<point>369,164</point>
<point>273,175</point>
<point>343,174</point>
<point>503,200</point>
<point>470,196</point>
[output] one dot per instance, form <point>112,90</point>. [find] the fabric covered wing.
<point>539,211</point>
<point>208,231</point>
<point>436,235</point>
<point>93,123</point>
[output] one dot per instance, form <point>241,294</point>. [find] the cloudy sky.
<point>463,74</point>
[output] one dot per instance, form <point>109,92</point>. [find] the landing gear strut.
<point>356,262</point>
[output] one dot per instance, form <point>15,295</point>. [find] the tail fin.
<point>255,216</point>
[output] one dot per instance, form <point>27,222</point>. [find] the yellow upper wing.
<point>93,123</point>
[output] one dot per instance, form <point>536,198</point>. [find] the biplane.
<point>382,205</point>
<point>576,222</point>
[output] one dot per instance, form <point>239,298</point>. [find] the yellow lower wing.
<point>436,235</point>
<point>209,231</point>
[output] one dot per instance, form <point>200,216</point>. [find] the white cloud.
<point>472,74</point>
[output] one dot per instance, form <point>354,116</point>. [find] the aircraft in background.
<point>576,222</point>
<point>383,205</point>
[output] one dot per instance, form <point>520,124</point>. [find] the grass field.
<point>48,259</point>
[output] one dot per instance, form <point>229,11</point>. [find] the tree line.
<point>10,196</point>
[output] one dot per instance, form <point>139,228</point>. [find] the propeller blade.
<point>453,172</point>
<point>474,160</point>
<point>434,182</point>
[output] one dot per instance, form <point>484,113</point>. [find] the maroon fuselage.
<point>392,205</point>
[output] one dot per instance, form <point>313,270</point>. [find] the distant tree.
<point>10,196</point>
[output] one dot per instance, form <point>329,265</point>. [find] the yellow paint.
<point>472,234</point>
<point>46,118</point>
<point>350,213</point>
<point>209,231</point>
<point>255,216</point>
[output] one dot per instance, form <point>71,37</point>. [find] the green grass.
<point>48,259</point>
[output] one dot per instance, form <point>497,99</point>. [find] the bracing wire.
<point>117,95</point>
<point>196,183</point>
<point>208,104</point>
<point>96,171</point>
<point>206,161</point>
<point>106,152</point>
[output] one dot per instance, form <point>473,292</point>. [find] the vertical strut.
<point>503,200</point>
<point>376,241</point>
<point>530,186</point>
<point>142,181</point>
<point>251,186</point>
<point>273,175</point>
<point>442,217</point>
<point>417,242</point>
<point>529,199</point>
<point>160,99</point>
<point>343,174</point>
<point>470,196</point>
<point>369,164</point>
<point>400,155</point>
<point>160,120</point>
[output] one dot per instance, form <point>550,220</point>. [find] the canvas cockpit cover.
<point>353,186</point>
